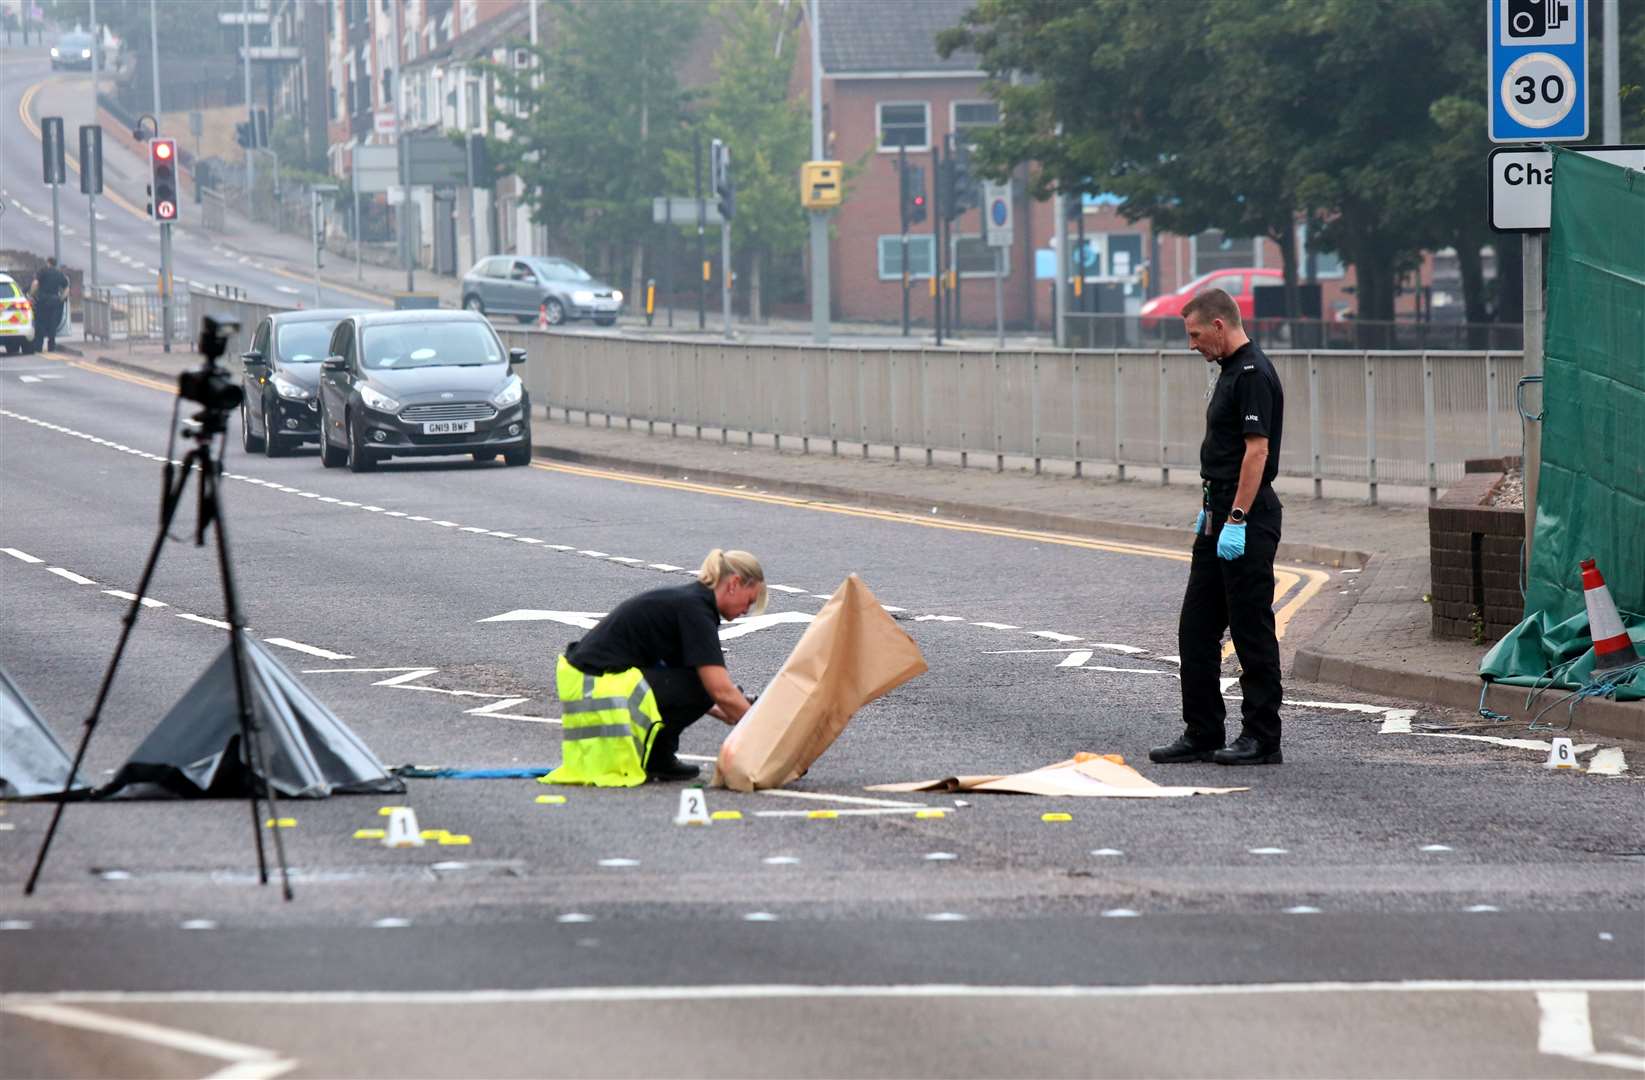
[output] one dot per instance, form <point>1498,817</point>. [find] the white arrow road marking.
<point>244,1062</point>
<point>22,555</point>
<point>36,378</point>
<point>1075,659</point>
<point>312,650</point>
<point>583,620</point>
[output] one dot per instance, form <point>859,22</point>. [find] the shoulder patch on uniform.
<point>1250,367</point>
<point>1254,416</point>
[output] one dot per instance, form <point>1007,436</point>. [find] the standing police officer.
<point>1231,578</point>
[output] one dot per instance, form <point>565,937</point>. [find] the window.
<point>974,258</point>
<point>904,124</point>
<point>920,259</point>
<point>1327,264</point>
<point>971,115</point>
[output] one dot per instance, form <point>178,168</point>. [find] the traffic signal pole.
<point>937,211</point>
<point>165,284</point>
<point>702,258</point>
<point>902,212</point>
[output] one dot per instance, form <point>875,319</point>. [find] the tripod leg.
<point>257,758</point>
<point>168,509</point>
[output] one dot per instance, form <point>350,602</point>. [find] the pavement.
<point>1369,628</point>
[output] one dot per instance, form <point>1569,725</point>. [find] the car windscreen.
<point>429,344</point>
<point>304,342</point>
<point>9,290</point>
<point>562,270</point>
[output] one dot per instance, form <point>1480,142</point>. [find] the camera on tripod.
<point>209,385</point>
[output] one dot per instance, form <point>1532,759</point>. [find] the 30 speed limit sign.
<point>1539,70</point>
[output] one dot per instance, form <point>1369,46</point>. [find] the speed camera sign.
<point>1539,70</point>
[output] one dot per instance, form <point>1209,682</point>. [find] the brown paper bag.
<point>851,654</point>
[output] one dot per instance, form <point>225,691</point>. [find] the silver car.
<point>529,286</point>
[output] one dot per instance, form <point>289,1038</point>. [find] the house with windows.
<point>886,93</point>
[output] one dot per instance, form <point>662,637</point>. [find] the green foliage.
<point>591,143</point>
<point>1242,114</point>
<point>768,131</point>
<point>183,28</point>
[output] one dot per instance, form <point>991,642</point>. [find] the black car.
<point>421,383</point>
<point>280,374</point>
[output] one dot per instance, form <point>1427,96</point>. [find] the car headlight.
<point>85,54</point>
<point>54,50</point>
<point>582,296</point>
<point>617,295</point>
<point>380,402</point>
<point>288,389</point>
<point>509,394</point>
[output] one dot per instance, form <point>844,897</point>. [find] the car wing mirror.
<point>517,356</point>
<point>334,363</point>
<point>252,356</point>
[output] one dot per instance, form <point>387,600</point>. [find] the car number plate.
<point>447,427</point>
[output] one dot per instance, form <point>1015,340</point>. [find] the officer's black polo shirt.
<point>677,627</point>
<point>1246,400</point>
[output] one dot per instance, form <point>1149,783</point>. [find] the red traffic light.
<point>919,200</point>
<point>162,150</point>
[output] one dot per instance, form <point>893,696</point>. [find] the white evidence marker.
<point>693,808</point>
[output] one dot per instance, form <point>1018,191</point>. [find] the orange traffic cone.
<point>1613,648</point>
<point>542,316</point>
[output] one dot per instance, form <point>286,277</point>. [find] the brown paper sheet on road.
<point>852,653</point>
<point>1083,775</point>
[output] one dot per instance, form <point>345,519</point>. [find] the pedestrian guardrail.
<point>131,315</point>
<point>1107,331</point>
<point>1377,417</point>
<point>230,302</point>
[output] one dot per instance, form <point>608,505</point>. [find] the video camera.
<point>209,385</point>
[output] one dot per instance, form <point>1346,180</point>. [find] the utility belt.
<point>1217,498</point>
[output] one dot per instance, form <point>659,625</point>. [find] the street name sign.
<point>1521,188</point>
<point>1538,89</point>
<point>682,210</point>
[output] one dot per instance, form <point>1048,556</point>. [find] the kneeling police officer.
<point>649,670</point>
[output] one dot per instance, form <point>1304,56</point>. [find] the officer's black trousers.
<point>1235,595</point>
<point>681,702</point>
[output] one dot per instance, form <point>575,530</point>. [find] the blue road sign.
<point>1538,88</point>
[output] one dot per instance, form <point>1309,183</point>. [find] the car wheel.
<point>474,304</point>
<point>330,456</point>
<point>275,445</point>
<point>555,311</point>
<point>520,455</point>
<point>360,459</point>
<point>250,443</point>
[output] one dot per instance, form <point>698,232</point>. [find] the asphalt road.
<point>1380,905</point>
<point>128,241</point>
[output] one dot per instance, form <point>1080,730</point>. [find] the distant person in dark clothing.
<point>49,291</point>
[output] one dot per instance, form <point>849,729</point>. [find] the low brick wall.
<point>1474,557</point>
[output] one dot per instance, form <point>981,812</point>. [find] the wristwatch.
<point>1236,516</point>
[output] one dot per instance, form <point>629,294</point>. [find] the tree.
<point>590,141</point>
<point>1241,114</point>
<point>188,29</point>
<point>750,108</point>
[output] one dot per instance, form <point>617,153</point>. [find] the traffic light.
<point>913,195</point>
<point>163,179</point>
<point>719,178</point>
<point>259,123</point>
<point>244,135</point>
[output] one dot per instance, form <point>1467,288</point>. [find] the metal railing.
<point>131,315</point>
<point>1376,417</point>
<point>1092,331</point>
<point>229,301</point>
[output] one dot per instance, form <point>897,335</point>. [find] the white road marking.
<point>749,624</point>
<point>197,924</point>
<point>15,924</point>
<point>1129,670</point>
<point>945,916</point>
<point>1433,847</point>
<point>997,625</point>
<point>1479,909</point>
<point>528,539</point>
<point>859,800</point>
<point>759,916</point>
<point>1075,659</point>
<point>245,1062</point>
<point>670,568</point>
<point>859,811</point>
<point>312,650</point>
<point>409,675</point>
<point>619,862</point>
<point>780,860</point>
<point>939,618</point>
<point>614,558</point>
<point>940,856</point>
<point>70,575</point>
<point>1052,635</point>
<point>22,555</point>
<point>496,706</point>
<point>592,554</point>
<point>148,601</point>
<point>574,917</point>
<point>1268,851</point>
<point>1302,909</point>
<point>1119,913</point>
<point>391,923</point>
<point>1107,852</point>
<point>218,623</point>
<point>582,620</point>
<point>773,588</point>
<point>1129,650</point>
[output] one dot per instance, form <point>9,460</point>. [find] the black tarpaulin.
<point>32,761</point>
<point>196,750</point>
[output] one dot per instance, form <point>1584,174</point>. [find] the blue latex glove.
<point>1199,524</point>
<point>1231,543</point>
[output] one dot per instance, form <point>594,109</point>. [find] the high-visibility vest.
<point>608,725</point>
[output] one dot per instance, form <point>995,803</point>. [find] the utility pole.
<point>1611,111</point>
<point>251,117</point>
<point>902,214</point>
<point>154,56</point>
<point>1060,305</point>
<point>937,211</point>
<point>51,152</point>
<point>91,189</point>
<point>702,258</point>
<point>820,301</point>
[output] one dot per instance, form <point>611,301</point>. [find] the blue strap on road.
<point>439,772</point>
